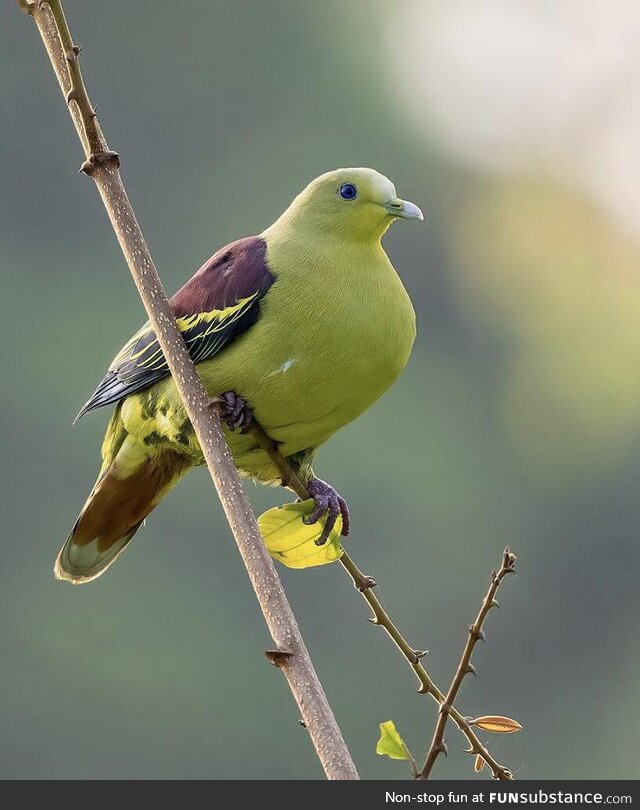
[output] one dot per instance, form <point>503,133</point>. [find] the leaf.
<point>391,743</point>
<point>289,540</point>
<point>478,764</point>
<point>497,724</point>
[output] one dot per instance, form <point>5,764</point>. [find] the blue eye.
<point>348,191</point>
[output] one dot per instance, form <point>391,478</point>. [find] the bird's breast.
<point>328,343</point>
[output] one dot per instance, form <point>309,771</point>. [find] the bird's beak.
<point>403,209</point>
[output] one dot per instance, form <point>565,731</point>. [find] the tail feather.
<point>113,513</point>
<point>80,564</point>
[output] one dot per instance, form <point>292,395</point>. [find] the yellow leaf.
<point>497,724</point>
<point>291,541</point>
<point>479,764</point>
<point>391,743</point>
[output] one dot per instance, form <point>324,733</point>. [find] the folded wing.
<point>220,303</point>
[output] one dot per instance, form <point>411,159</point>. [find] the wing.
<point>220,303</point>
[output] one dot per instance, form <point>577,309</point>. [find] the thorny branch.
<point>365,585</point>
<point>102,165</point>
<point>465,667</point>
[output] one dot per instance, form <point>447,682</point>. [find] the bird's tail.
<point>113,513</point>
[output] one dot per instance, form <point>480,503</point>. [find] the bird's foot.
<point>329,502</point>
<point>234,411</point>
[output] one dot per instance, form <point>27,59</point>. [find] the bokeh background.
<point>515,126</point>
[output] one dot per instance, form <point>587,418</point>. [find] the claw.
<point>234,410</point>
<point>329,502</point>
<point>346,519</point>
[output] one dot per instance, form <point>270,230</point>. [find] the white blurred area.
<point>536,106</point>
<point>505,84</point>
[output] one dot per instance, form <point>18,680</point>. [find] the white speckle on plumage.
<point>284,367</point>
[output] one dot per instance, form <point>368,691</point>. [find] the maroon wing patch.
<point>217,305</point>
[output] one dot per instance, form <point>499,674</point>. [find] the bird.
<point>301,328</point>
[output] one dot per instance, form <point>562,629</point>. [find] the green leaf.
<point>391,743</point>
<point>291,541</point>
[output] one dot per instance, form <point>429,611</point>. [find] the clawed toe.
<point>329,502</point>
<point>235,411</point>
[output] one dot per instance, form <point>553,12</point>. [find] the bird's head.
<point>357,204</point>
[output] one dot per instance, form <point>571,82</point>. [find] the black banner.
<point>377,794</point>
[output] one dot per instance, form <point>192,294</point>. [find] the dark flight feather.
<point>217,305</point>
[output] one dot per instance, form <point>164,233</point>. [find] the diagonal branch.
<point>102,165</point>
<point>465,667</point>
<point>365,585</point>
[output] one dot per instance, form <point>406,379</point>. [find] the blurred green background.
<point>515,127</point>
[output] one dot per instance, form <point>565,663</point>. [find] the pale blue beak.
<point>403,209</point>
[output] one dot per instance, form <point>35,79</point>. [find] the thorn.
<point>278,657</point>
<point>494,603</point>
<point>302,723</point>
<point>420,653</point>
<point>471,670</point>
<point>442,748</point>
<point>26,6</point>
<point>97,159</point>
<point>477,634</point>
<point>423,689</point>
<point>469,750</point>
<point>374,620</point>
<point>72,54</point>
<point>108,156</point>
<point>31,6</point>
<point>367,582</point>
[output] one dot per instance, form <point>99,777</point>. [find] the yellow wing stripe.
<point>217,320</point>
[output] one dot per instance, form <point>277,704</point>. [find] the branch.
<point>102,165</point>
<point>465,666</point>
<point>380,617</point>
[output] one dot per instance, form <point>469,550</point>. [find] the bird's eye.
<point>348,191</point>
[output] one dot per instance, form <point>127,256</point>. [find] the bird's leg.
<point>234,410</point>
<point>329,502</point>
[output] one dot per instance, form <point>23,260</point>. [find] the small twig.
<point>380,617</point>
<point>95,142</point>
<point>465,666</point>
<point>103,166</point>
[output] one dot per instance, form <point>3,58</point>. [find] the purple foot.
<point>327,501</point>
<point>234,410</point>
